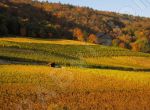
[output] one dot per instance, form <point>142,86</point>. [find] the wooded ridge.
<point>63,21</point>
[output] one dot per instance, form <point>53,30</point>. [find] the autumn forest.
<point>56,20</point>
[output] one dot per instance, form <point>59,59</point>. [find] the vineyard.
<point>43,88</point>
<point>32,51</point>
<point>69,55</point>
<point>91,77</point>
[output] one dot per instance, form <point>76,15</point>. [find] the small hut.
<point>54,65</point>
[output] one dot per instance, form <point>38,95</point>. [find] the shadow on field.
<point>9,60</point>
<point>119,68</point>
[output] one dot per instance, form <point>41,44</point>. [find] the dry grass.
<point>42,88</point>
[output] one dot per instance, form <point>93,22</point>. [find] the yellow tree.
<point>78,34</point>
<point>122,45</point>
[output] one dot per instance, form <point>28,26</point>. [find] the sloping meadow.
<point>70,53</point>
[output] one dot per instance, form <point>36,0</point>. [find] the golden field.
<point>91,77</point>
<point>43,88</point>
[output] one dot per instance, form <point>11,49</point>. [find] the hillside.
<point>90,76</point>
<point>58,21</point>
<point>57,56</point>
<point>70,53</point>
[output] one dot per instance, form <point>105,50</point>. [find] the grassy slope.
<point>42,87</point>
<point>70,53</point>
